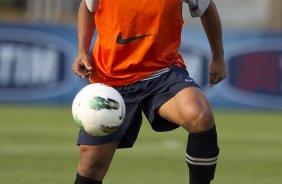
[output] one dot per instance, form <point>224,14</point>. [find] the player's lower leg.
<point>94,162</point>
<point>84,180</point>
<point>201,156</point>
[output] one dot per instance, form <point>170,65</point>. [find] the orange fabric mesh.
<point>150,36</point>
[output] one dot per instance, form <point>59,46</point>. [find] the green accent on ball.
<point>98,103</point>
<point>78,121</point>
<point>109,129</point>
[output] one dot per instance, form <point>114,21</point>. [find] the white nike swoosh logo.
<point>189,80</point>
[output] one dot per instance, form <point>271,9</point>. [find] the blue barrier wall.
<point>35,66</point>
<point>35,63</point>
<point>254,66</point>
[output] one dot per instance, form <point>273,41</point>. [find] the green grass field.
<point>37,145</point>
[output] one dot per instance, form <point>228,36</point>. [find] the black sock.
<point>83,180</point>
<point>201,156</point>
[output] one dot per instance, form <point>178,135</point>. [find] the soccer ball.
<point>98,109</point>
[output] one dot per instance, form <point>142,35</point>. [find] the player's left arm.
<point>212,26</point>
<point>210,19</point>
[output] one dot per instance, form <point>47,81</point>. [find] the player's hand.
<point>217,70</point>
<point>82,66</point>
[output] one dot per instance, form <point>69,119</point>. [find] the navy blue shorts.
<point>144,96</point>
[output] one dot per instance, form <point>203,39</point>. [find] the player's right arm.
<point>85,27</point>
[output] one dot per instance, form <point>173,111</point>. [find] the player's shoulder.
<point>92,5</point>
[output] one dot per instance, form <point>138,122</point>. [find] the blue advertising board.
<point>35,63</point>
<point>35,66</point>
<point>255,72</point>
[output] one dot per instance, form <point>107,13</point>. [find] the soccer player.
<point>136,51</point>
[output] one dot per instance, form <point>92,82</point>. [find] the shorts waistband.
<point>156,74</point>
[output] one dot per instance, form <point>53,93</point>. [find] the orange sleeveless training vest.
<point>135,39</point>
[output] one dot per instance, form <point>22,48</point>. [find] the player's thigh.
<point>96,159</point>
<point>190,109</point>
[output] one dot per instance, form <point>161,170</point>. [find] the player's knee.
<point>199,121</point>
<point>206,120</point>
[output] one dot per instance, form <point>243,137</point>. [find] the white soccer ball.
<point>99,109</point>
